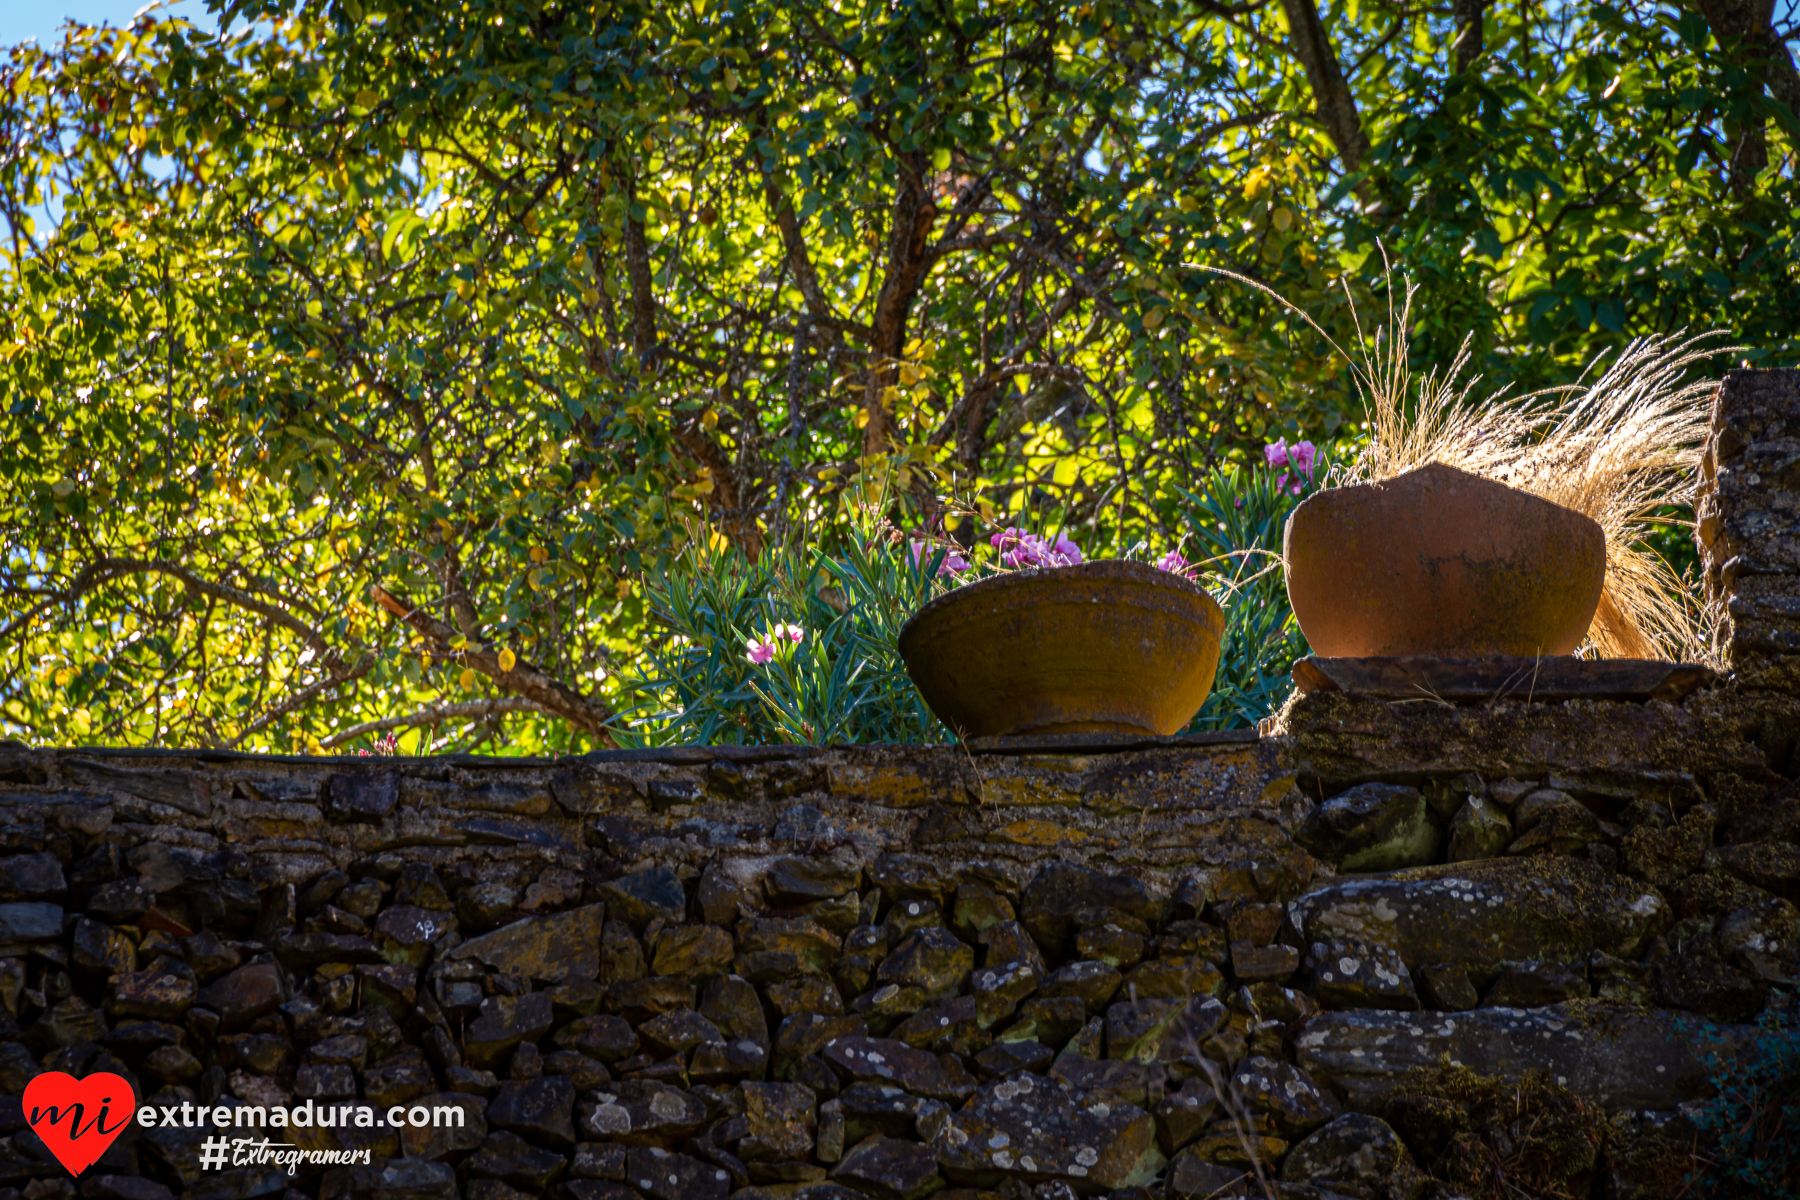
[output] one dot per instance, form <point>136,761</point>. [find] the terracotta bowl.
<point>1441,562</point>
<point>1103,647</point>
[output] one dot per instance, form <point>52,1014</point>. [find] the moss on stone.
<point>1339,739</point>
<point>1506,1139</point>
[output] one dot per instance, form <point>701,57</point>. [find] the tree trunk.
<point>1331,90</point>
<point>909,259</point>
<point>643,298</point>
<point>1745,29</point>
<point>1471,40</point>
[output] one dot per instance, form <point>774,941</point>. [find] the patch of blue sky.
<point>43,23</point>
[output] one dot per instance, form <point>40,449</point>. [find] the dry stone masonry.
<point>1333,960</point>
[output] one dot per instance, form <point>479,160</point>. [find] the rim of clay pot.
<point>1106,568</point>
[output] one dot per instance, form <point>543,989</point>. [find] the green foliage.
<point>1754,1115</point>
<point>1236,525</point>
<point>484,302</point>
<point>1612,173</point>
<point>843,682</point>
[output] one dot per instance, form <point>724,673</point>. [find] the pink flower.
<point>1303,455</point>
<point>1029,550</point>
<point>761,652</point>
<point>386,746</point>
<point>1017,549</point>
<point>1172,561</point>
<point>1276,453</point>
<point>1064,553</point>
<point>792,633</point>
<point>953,564</point>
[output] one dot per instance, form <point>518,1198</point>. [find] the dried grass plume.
<point>1618,450</point>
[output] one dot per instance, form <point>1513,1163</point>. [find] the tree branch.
<point>806,277</point>
<point>909,240</point>
<point>435,715</point>
<point>590,715</point>
<point>1331,91</point>
<point>303,697</point>
<point>643,298</point>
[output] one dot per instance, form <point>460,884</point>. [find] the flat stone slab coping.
<point>1106,742</point>
<point>1479,680</point>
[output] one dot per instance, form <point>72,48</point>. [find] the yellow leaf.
<point>507,660</point>
<point>709,419</point>
<point>830,473</point>
<point>909,375</point>
<point>539,554</point>
<point>1283,218</point>
<point>367,99</point>
<point>467,679</point>
<point>1153,318</point>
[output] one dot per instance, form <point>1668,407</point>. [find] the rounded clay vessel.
<point>1441,562</point>
<point>1101,647</point>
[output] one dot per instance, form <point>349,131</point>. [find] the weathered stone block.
<point>367,798</point>
<point>1062,899</point>
<point>1043,1131</point>
<point>1355,1149</point>
<point>1340,739</point>
<point>1477,915</point>
<point>1360,974</point>
<point>554,949</point>
<point>1616,1055</point>
<point>1372,827</point>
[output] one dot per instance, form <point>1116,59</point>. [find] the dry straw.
<point>1619,450</point>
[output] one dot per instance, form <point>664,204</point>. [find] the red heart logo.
<point>79,1118</point>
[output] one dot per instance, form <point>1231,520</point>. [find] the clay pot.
<point>1101,647</point>
<point>1441,562</point>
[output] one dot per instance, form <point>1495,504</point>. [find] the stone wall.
<point>1362,955</point>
